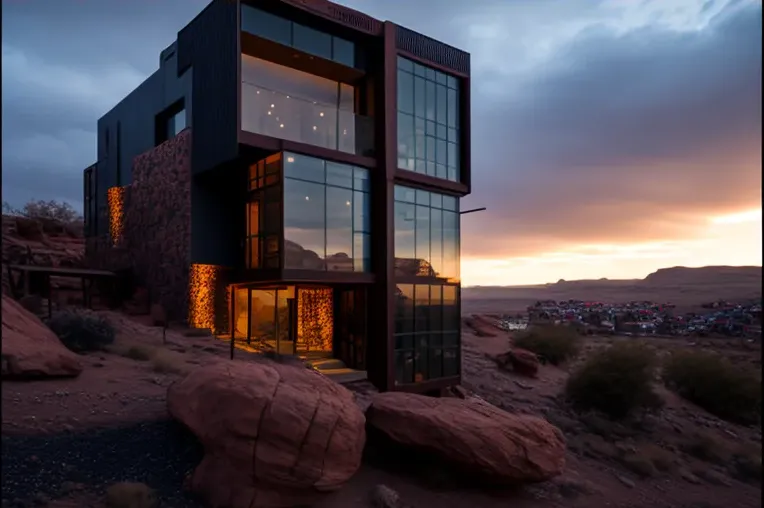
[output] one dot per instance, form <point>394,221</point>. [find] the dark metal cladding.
<point>209,46</point>
<point>431,50</point>
<point>344,15</point>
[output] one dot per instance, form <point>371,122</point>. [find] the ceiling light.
<point>314,127</point>
<point>321,114</point>
<point>290,159</point>
<point>282,125</point>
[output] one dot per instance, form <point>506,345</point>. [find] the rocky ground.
<point>68,439</point>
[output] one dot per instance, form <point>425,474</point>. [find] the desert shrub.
<point>615,381</point>
<point>554,344</point>
<point>713,383</point>
<point>51,210</point>
<point>82,331</point>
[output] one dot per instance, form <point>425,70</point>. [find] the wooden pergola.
<point>36,280</point>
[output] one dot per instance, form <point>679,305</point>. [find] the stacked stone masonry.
<point>155,241</point>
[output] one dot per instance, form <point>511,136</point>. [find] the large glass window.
<point>428,121</point>
<point>426,332</point>
<point>326,215</point>
<point>426,234</point>
<point>309,40</point>
<point>285,103</point>
<point>264,214</point>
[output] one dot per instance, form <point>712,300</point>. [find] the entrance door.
<point>350,327</point>
<point>261,318</point>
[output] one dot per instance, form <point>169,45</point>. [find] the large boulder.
<point>30,349</point>
<point>521,361</point>
<point>472,436</point>
<point>274,434</point>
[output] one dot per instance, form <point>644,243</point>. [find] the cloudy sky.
<point>610,137</point>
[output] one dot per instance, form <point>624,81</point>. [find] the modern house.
<point>291,176</point>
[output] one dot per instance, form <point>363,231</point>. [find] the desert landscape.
<point>151,418</point>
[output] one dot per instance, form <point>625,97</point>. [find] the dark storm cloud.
<point>65,63</point>
<point>628,138</point>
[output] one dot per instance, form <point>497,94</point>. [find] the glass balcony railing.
<point>282,116</point>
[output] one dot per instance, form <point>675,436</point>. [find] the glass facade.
<point>428,121</point>
<point>264,214</point>
<point>426,234</point>
<point>427,320</point>
<point>326,215</point>
<point>285,103</point>
<point>289,33</point>
<point>427,332</point>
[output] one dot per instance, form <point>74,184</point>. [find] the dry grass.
<point>163,361</point>
<point>131,495</point>
<point>166,362</point>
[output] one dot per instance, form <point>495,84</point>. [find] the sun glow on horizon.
<point>732,239</point>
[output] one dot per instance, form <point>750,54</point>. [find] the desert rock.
<point>30,349</point>
<point>274,434</point>
<point>521,361</point>
<point>472,435</point>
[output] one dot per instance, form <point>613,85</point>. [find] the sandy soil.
<point>54,422</point>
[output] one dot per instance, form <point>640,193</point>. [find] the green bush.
<point>713,383</point>
<point>82,331</point>
<point>554,344</point>
<point>615,381</point>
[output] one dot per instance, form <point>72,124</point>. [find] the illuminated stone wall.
<point>315,311</point>
<point>208,298</point>
<point>115,198</point>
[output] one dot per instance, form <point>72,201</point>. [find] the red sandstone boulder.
<point>521,361</point>
<point>30,349</point>
<point>472,435</point>
<point>273,434</point>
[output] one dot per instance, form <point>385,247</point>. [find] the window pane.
<point>344,51</point>
<point>347,97</point>
<point>406,194</point>
<point>441,152</point>
<point>405,260</point>
<point>453,82</point>
<point>312,41</point>
<point>450,311</point>
<point>442,105</point>
<point>453,157</point>
<point>419,97</point>
<point>340,175</point>
<point>253,218</point>
<point>442,171</point>
<point>361,219</point>
<point>422,307</point>
<point>451,245</point>
<point>420,138</point>
<point>405,92</point>
<point>436,241</point>
<point>441,78</point>
<point>406,140</point>
<point>449,203</point>
<point>179,121</point>
<point>304,168</point>
<point>423,240</point>
<point>339,229</point>
<point>430,101</point>
<point>266,25</point>
<point>405,64</point>
<point>436,312</point>
<point>304,225</point>
<point>253,256</point>
<point>419,70</point>
<point>452,109</point>
<point>361,179</point>
<point>361,252</point>
<point>422,197</point>
<point>436,363</point>
<point>404,308</point>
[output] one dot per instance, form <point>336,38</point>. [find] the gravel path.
<point>158,454</point>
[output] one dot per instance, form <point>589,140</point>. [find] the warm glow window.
<point>427,332</point>
<point>428,121</point>
<point>326,215</point>
<point>264,214</point>
<point>426,234</point>
<point>286,103</point>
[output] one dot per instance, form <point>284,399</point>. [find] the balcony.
<point>279,115</point>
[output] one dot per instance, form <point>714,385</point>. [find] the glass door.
<point>350,327</point>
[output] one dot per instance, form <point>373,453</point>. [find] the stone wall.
<point>155,239</point>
